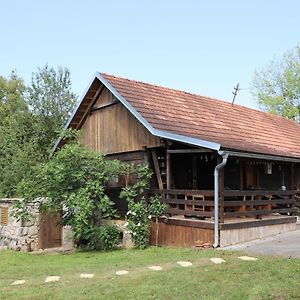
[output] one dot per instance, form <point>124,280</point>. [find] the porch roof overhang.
<point>259,156</point>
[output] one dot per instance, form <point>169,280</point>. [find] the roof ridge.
<point>168,88</point>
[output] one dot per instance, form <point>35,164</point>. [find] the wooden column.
<point>168,162</point>
<point>292,176</point>
<point>195,172</point>
<point>241,175</point>
<point>157,169</point>
<point>221,194</point>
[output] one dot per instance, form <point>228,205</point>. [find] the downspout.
<point>216,197</point>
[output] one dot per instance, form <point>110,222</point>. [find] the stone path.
<point>184,264</point>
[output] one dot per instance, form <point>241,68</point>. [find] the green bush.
<point>104,237</point>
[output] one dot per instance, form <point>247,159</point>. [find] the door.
<point>50,233</point>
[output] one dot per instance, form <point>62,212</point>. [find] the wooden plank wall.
<point>113,129</point>
<point>180,236</point>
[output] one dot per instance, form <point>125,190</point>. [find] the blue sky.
<point>204,47</point>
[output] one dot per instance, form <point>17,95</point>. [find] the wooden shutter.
<point>3,215</point>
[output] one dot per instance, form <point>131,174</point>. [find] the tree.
<point>51,100</point>
<point>73,181</point>
<point>277,87</point>
<point>18,147</point>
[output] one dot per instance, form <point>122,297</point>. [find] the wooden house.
<point>227,173</point>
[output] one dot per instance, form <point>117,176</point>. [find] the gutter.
<point>216,196</point>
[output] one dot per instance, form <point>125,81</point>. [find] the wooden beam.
<point>91,104</point>
<point>156,168</point>
<point>195,173</point>
<point>104,105</point>
<point>292,176</point>
<point>186,151</point>
<point>168,162</point>
<point>241,175</point>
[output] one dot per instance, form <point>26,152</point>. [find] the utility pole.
<point>235,91</point>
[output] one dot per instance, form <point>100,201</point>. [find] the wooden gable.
<point>111,128</point>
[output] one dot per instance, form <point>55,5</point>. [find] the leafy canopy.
<point>30,119</point>
<point>18,135</point>
<point>277,87</point>
<point>50,100</point>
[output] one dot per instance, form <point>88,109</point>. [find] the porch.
<point>256,196</point>
<point>243,216</point>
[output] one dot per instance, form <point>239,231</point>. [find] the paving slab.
<point>217,260</point>
<point>18,282</point>
<point>122,272</point>
<point>285,244</point>
<point>86,275</point>
<point>52,279</point>
<point>247,258</point>
<point>155,268</point>
<point>185,264</point>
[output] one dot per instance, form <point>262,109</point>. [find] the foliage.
<point>29,119</point>
<point>18,144</point>
<point>138,223</point>
<point>73,180</point>
<point>277,87</point>
<point>51,100</point>
<point>137,215</point>
<point>156,209</point>
<point>109,236</point>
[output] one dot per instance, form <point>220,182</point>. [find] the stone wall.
<point>19,235</point>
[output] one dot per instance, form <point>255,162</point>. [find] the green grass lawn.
<point>266,278</point>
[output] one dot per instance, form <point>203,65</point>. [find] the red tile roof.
<point>232,126</point>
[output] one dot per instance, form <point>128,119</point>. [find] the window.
<point>3,215</point>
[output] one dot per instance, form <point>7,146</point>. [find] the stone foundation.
<point>19,235</point>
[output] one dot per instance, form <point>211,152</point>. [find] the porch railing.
<point>233,203</point>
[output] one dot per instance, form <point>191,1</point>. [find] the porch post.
<point>168,162</point>
<point>292,177</point>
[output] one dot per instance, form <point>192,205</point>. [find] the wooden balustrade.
<point>254,203</point>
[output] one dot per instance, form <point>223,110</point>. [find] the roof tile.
<point>233,126</point>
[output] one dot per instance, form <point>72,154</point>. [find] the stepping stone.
<point>52,279</point>
<point>217,260</point>
<point>86,275</point>
<point>17,282</point>
<point>122,272</point>
<point>247,258</point>
<point>184,263</point>
<point>155,268</point>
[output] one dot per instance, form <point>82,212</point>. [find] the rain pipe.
<point>216,197</point>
